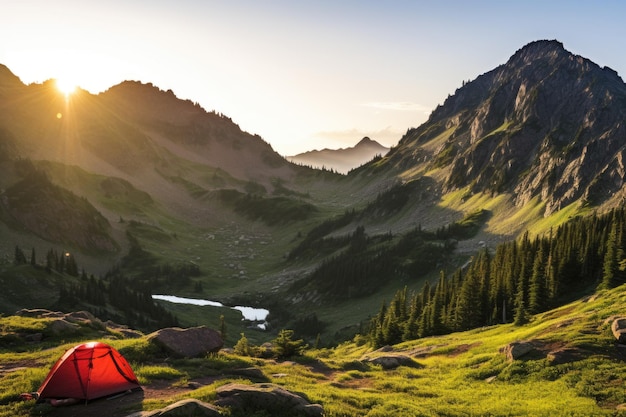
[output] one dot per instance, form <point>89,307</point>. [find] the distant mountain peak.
<point>344,159</point>
<point>365,141</point>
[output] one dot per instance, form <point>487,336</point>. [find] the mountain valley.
<point>134,179</point>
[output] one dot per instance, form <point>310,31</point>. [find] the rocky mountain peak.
<point>542,49</point>
<point>534,126</point>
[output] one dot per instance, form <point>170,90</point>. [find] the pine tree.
<point>521,315</point>
<point>610,265</point>
<point>20,258</point>
<point>411,327</point>
<point>537,288</point>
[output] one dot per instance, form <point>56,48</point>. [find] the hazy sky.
<point>302,74</point>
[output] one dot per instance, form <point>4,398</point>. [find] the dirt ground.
<point>119,406</point>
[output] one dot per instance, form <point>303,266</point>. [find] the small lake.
<point>249,313</point>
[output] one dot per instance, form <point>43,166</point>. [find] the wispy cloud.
<point>396,106</point>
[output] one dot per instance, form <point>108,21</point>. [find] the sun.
<point>65,86</point>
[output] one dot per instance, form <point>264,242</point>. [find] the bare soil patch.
<point>117,406</point>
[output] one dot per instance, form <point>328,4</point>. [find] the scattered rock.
<point>252,373</point>
<point>516,350</point>
<point>61,326</point>
<point>618,327</point>
<point>184,408</point>
<point>38,312</point>
<point>422,352</point>
<point>74,319</point>
<point>388,362</point>
<point>80,316</point>
<point>124,330</point>
<point>268,398</point>
<point>194,342</point>
<point>564,355</point>
<point>385,349</point>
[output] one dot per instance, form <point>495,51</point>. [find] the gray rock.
<point>388,362</point>
<point>618,327</point>
<point>80,316</point>
<point>37,312</point>
<point>564,355</point>
<point>516,350</point>
<point>269,398</point>
<point>187,343</point>
<point>61,326</point>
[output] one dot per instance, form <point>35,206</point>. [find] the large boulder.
<point>393,361</point>
<point>60,327</point>
<point>618,327</point>
<point>268,398</point>
<point>194,342</point>
<point>516,350</point>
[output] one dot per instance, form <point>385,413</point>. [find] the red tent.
<point>89,371</point>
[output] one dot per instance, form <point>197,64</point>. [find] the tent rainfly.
<point>88,371</point>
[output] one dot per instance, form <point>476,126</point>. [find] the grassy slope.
<point>461,374</point>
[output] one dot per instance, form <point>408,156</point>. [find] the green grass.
<point>461,374</point>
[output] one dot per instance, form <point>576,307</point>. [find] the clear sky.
<point>302,74</point>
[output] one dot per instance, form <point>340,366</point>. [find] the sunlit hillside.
<point>574,367</point>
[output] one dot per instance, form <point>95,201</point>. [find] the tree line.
<point>55,261</point>
<point>518,279</point>
<point>113,297</point>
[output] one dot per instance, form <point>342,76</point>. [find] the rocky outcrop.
<point>268,398</point>
<point>187,343</point>
<point>60,323</point>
